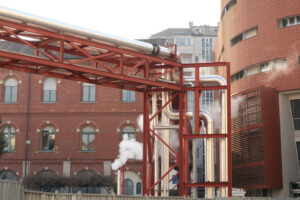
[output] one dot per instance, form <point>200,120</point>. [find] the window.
<point>128,187</point>
<point>298,60</point>
<point>289,21</point>
<point>138,188</point>
<point>48,138</point>
<point>88,92</point>
<point>8,175</point>
<point>295,107</point>
<point>128,96</point>
<point>245,35</point>
<point>261,67</point>
<point>180,41</point>
<point>49,90</point>
<point>129,132</point>
<point>207,99</point>
<point>189,41</point>
<point>298,151</point>
<point>228,6</point>
<point>196,59</point>
<point>10,136</point>
<point>88,139</point>
<point>10,90</point>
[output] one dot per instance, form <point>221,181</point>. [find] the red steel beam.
<point>229,130</point>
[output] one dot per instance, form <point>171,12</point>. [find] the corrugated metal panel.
<point>10,190</point>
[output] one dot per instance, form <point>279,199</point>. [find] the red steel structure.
<point>105,64</point>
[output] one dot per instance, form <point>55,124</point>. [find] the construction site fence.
<point>13,190</point>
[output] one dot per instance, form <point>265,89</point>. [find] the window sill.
<point>128,101</point>
<point>9,151</point>
<point>85,102</point>
<point>47,151</point>
<point>87,151</point>
<point>44,102</point>
<point>10,103</point>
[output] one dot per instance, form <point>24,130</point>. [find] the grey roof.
<point>193,30</point>
<point>172,32</point>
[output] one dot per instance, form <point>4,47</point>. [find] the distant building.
<point>261,39</point>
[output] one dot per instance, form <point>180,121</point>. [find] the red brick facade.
<point>67,115</point>
<point>271,42</point>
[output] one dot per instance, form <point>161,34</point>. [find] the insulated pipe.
<point>119,183</point>
<point>31,20</point>
<point>156,163</point>
<point>174,115</point>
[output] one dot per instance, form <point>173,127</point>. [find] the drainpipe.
<point>26,170</point>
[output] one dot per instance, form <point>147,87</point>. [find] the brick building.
<point>65,127</point>
<point>261,40</point>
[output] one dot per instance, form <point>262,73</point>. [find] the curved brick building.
<point>261,39</point>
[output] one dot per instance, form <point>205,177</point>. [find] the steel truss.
<point>51,53</point>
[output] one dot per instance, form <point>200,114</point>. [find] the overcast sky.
<point>133,19</point>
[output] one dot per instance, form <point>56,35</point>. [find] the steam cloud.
<point>128,149</point>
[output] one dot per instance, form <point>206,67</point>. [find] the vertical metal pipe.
<point>145,141</point>
<point>181,128</point>
<point>119,183</point>
<point>156,164</point>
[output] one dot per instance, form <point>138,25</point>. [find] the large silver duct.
<point>206,116</point>
<point>31,20</point>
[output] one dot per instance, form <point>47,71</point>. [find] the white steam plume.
<point>128,149</point>
<point>235,103</point>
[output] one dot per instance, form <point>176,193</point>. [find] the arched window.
<point>88,139</point>
<point>10,136</point>
<point>128,187</point>
<point>49,90</point>
<point>48,138</point>
<point>88,92</point>
<point>9,175</point>
<point>91,183</point>
<point>10,90</point>
<point>128,131</point>
<point>138,188</point>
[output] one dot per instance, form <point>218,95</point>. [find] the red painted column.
<point>229,130</point>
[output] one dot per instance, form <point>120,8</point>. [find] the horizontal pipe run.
<point>31,20</point>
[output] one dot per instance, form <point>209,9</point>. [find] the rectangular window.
<point>49,96</point>
<point>295,107</point>
<point>196,59</point>
<point>48,141</point>
<point>89,93</point>
<point>298,60</point>
<point>298,151</point>
<point>291,21</point>
<point>180,41</point>
<point>189,41</point>
<point>128,96</point>
<point>245,35</point>
<point>10,94</point>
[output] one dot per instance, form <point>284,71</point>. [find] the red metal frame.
<point>76,58</point>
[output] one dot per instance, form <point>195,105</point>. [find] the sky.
<point>132,19</point>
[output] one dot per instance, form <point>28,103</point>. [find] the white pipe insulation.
<point>60,27</point>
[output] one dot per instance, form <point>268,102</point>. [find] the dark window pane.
<point>297,124</point>
<point>295,106</point>
<point>284,22</point>
<point>292,20</point>
<point>128,187</point>
<point>44,142</point>
<point>298,19</point>
<point>298,150</point>
<point>138,188</point>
